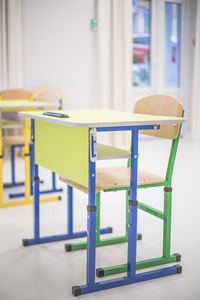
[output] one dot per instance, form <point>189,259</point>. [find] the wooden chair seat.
<point>14,140</point>
<point>116,177</point>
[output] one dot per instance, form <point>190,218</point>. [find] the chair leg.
<point>166,257</point>
<point>127,213</point>
<point>167,222</point>
<point>97,199</point>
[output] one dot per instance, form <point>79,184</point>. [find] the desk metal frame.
<point>132,277</point>
<point>37,239</point>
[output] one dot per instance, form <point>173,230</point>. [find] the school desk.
<point>20,105</point>
<point>67,146</point>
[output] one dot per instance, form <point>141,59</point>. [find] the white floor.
<point>47,272</point>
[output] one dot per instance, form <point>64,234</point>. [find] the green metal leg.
<point>167,221</point>
<point>100,272</point>
<point>97,199</point>
<point>105,241</point>
<point>127,212</point>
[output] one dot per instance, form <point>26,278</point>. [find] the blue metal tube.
<point>12,150</point>
<point>69,209</point>
<point>62,237</point>
<point>124,128</point>
<point>91,221</point>
<point>36,198</point>
<point>31,169</point>
<point>132,229</point>
<point>117,282</point>
<point>8,185</point>
<point>53,181</point>
<point>19,195</point>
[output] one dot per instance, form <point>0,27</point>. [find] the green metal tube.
<point>167,224</point>
<point>153,211</point>
<point>139,265</point>
<point>97,199</point>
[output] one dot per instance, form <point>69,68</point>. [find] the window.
<point>141,43</point>
<point>156,43</point>
<point>172,44</point>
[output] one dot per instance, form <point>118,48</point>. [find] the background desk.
<point>19,105</point>
<point>72,154</point>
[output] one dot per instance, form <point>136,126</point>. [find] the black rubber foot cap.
<point>68,247</point>
<point>25,242</point>
<point>178,268</point>
<point>59,198</point>
<point>178,256</point>
<point>11,196</point>
<point>110,229</point>
<point>76,290</point>
<point>100,272</point>
<point>139,236</point>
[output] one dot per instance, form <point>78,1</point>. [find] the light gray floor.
<point>46,272</point>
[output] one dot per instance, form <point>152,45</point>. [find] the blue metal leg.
<point>132,227</point>
<point>53,181</point>
<point>91,223</point>
<point>60,237</point>
<point>31,167</point>
<point>36,204</point>
<point>69,209</point>
<point>117,282</point>
<point>12,152</point>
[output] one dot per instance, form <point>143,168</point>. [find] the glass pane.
<point>172,44</point>
<point>141,42</point>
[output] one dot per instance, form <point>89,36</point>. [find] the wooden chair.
<point>49,95</point>
<point>15,94</point>
<point>118,178</point>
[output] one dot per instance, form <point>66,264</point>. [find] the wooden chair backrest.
<point>161,105</point>
<point>48,95</point>
<point>15,94</point>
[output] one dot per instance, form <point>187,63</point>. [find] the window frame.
<point>157,55</point>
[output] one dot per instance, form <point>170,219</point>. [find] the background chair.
<point>49,95</point>
<point>13,94</point>
<point>13,135</point>
<point>118,178</point>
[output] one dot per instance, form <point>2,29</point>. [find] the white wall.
<point>58,48</point>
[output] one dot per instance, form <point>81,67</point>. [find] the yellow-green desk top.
<point>24,104</point>
<point>102,118</point>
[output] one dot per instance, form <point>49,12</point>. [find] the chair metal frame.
<point>164,215</point>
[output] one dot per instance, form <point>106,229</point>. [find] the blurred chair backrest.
<point>49,95</point>
<point>161,105</point>
<point>15,94</point>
